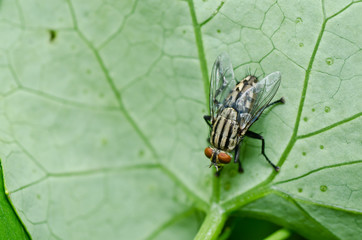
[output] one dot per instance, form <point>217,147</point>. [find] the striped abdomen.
<point>242,99</point>
<point>224,135</point>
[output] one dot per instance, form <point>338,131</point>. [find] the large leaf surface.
<point>101,110</point>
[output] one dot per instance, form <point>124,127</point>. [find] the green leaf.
<point>101,129</point>
<point>11,227</point>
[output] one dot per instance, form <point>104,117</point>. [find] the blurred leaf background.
<point>101,129</point>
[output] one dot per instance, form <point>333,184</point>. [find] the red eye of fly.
<point>208,152</point>
<point>224,158</point>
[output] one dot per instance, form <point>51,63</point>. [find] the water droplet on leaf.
<point>329,61</point>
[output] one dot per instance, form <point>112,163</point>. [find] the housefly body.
<point>234,107</point>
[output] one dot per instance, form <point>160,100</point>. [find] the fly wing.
<point>222,82</point>
<point>253,102</point>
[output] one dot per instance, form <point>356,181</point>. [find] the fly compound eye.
<point>224,158</point>
<point>208,152</point>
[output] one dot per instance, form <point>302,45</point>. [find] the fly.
<point>234,107</point>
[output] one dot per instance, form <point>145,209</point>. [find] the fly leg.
<point>258,136</point>
<point>218,171</point>
<point>207,120</point>
<point>237,159</point>
<point>281,100</point>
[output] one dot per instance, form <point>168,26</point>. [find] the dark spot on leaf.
<point>233,173</point>
<point>305,119</point>
<point>52,35</point>
<point>183,31</point>
<point>227,186</point>
<point>329,61</point>
<point>38,196</point>
<point>304,153</point>
<point>300,189</point>
<point>141,153</point>
<point>313,110</point>
<point>104,141</point>
<point>323,188</point>
<point>296,166</point>
<point>152,187</point>
<point>321,147</point>
<point>101,95</point>
<point>327,109</point>
<point>88,71</point>
<point>301,44</point>
<point>218,31</point>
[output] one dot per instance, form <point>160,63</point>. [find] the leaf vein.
<point>346,120</point>
<point>319,169</point>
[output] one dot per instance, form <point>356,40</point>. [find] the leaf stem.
<point>215,197</point>
<point>213,223</point>
<point>200,50</point>
<point>281,234</point>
